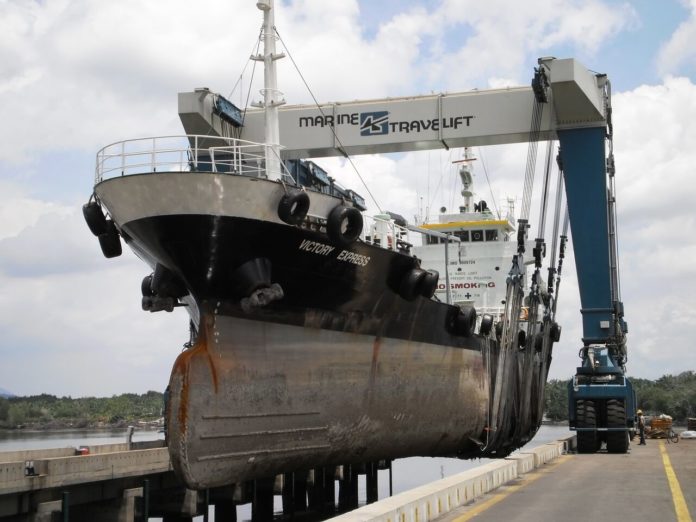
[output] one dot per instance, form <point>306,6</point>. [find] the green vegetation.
<point>674,395</point>
<point>50,412</point>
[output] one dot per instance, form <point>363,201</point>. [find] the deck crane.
<point>578,115</point>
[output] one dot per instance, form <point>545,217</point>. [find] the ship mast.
<point>272,97</point>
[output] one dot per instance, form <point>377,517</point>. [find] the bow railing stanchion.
<point>154,154</point>
<point>123,157</point>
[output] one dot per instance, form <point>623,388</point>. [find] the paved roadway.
<point>588,488</point>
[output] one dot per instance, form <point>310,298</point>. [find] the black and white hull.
<point>307,352</point>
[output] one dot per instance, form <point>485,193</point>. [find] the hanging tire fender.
<point>428,285</point>
<point>110,241</point>
<point>555,332</point>
<point>146,286</point>
<point>410,285</point>
<point>344,225</point>
<point>486,324</point>
<point>293,207</point>
<point>465,321</point>
<point>94,217</point>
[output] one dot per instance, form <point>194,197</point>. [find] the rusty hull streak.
<point>183,363</point>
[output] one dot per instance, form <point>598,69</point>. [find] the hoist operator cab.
<point>602,403</point>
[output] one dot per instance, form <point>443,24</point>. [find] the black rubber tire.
<point>538,342</point>
<point>617,441</point>
<point>522,340</point>
<point>465,322</point>
<point>555,332</point>
<point>410,285</point>
<point>146,286</point>
<point>344,225</point>
<point>94,217</point>
<point>585,417</point>
<point>109,241</point>
<point>428,284</point>
<point>293,207</point>
<point>167,284</point>
<point>486,324</point>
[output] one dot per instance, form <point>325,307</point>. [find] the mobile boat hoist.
<point>293,317</point>
<point>601,399</point>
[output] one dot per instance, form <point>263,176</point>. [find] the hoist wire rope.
<point>545,189</point>
<point>333,130</point>
<point>456,180</point>
<point>556,217</point>
<point>490,188</point>
<point>439,181</point>
<point>531,159</point>
<point>559,270</point>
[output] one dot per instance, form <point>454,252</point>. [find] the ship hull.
<point>256,398</point>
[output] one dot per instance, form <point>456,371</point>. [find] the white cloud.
<point>680,48</point>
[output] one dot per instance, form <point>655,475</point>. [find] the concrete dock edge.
<point>433,500</point>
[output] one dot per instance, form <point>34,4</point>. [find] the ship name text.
<point>316,248</point>
<point>322,249</point>
<point>352,257</point>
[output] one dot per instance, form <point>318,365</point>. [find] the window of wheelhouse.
<point>491,235</point>
<point>463,235</point>
<point>476,235</point>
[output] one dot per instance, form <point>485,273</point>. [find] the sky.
<point>76,75</point>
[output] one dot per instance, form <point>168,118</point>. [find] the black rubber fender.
<point>166,284</point>
<point>146,286</point>
<point>428,285</point>
<point>293,207</point>
<point>109,241</point>
<point>465,322</point>
<point>344,225</point>
<point>498,330</point>
<point>538,342</point>
<point>555,332</point>
<point>94,217</point>
<point>522,339</point>
<point>486,324</point>
<point>410,285</point>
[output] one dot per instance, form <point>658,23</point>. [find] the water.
<point>24,440</point>
<point>407,473</point>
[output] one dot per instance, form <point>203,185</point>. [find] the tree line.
<point>48,411</point>
<point>673,395</point>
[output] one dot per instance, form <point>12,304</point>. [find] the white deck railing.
<point>192,153</point>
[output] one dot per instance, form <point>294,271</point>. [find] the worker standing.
<point>641,427</point>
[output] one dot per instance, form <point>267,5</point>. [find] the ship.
<point>319,336</point>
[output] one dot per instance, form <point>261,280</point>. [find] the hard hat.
<point>640,412</point>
